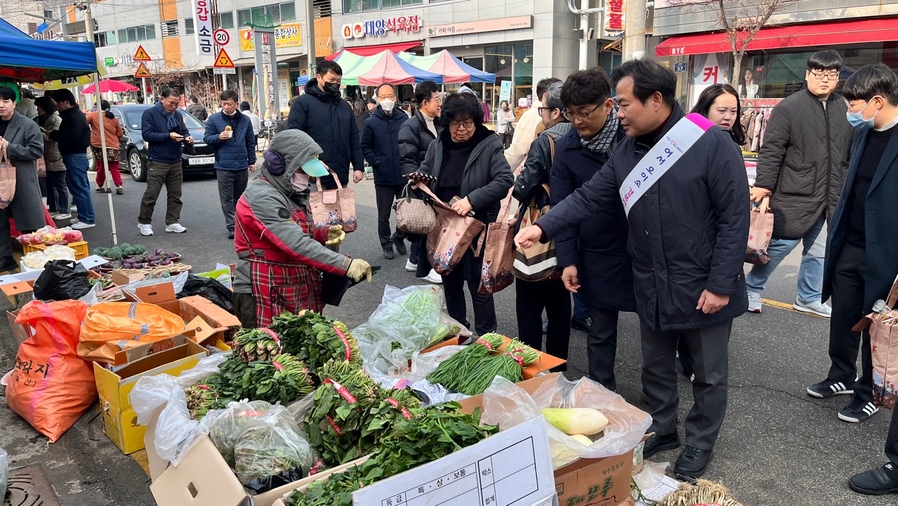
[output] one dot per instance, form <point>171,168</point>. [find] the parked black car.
<point>134,149</point>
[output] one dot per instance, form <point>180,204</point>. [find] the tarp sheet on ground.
<point>384,67</point>
<point>451,68</point>
<point>29,60</point>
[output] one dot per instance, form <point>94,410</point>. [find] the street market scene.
<point>420,252</point>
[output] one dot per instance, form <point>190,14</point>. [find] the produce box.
<point>115,387</point>
<point>80,247</point>
<point>545,361</point>
<point>585,482</point>
<point>18,288</point>
<point>162,294</point>
<point>204,478</point>
<point>511,467</point>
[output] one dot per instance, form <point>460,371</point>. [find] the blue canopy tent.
<point>29,60</point>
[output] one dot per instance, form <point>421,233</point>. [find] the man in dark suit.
<point>862,257</point>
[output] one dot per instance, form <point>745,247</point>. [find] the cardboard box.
<point>115,388</point>
<point>585,482</point>
<point>223,323</point>
<point>204,478</point>
<point>121,279</point>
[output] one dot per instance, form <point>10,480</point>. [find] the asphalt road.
<point>778,446</point>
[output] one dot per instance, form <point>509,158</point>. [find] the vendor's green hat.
<point>314,168</point>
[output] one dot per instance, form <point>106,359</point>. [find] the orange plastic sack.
<point>51,385</point>
<point>110,327</point>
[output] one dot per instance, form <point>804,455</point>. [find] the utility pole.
<point>634,30</point>
<point>584,14</point>
<point>310,27</point>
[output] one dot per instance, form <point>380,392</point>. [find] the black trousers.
<point>484,307</point>
<point>245,309</point>
<point>530,301</point>
<point>848,309</point>
<point>231,185</point>
<point>892,440</point>
<point>386,194</point>
<point>601,346</point>
<point>709,347</point>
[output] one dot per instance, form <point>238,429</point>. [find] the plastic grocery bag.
<point>407,320</point>
<point>61,280</point>
<point>233,420</point>
<point>51,386</point>
<point>270,452</point>
<point>4,473</point>
<point>176,432</point>
<point>508,405</point>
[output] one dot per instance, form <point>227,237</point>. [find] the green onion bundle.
<point>453,372</point>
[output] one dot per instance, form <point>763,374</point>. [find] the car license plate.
<point>203,160</point>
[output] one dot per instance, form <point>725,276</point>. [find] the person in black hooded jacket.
<point>467,161</point>
<point>328,119</point>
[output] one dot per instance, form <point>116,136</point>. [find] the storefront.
<point>775,63</point>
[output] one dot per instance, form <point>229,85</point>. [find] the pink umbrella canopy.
<point>111,85</point>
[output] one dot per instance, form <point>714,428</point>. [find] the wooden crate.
<point>80,247</point>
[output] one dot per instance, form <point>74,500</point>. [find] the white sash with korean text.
<point>663,155</point>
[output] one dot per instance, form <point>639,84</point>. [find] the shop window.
<point>510,63</point>
<point>137,33</point>
<point>226,20</point>
<point>188,26</point>
<point>385,4</point>
<point>288,12</point>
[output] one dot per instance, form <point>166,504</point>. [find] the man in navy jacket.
<point>687,237</point>
<point>328,119</point>
<point>862,255</point>
<point>230,133</point>
<point>380,145</point>
<point>163,128</point>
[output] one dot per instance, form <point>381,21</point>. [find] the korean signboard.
<point>202,21</point>
<point>285,35</point>
<point>491,25</point>
<point>382,27</point>
<point>614,18</point>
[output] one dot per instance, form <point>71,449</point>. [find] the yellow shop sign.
<point>285,35</point>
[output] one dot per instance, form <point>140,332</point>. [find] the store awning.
<point>397,47</point>
<point>820,34</point>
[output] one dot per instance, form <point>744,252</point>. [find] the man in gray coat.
<point>801,167</point>
<point>21,141</point>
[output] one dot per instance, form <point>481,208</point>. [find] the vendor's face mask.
<point>299,181</point>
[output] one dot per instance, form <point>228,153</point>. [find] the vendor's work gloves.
<point>335,235</point>
<point>359,269</point>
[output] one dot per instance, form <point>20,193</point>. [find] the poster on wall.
<point>707,70</point>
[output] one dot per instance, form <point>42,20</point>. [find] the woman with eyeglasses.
<point>469,169</point>
<point>549,294</point>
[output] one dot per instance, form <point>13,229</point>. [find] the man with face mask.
<point>329,120</point>
<point>801,167</point>
<point>380,145</point>
<point>282,254</point>
<point>230,134</point>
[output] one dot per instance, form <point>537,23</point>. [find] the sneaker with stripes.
<point>828,388</point>
<point>857,411</point>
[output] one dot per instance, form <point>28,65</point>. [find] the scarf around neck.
<point>601,142</point>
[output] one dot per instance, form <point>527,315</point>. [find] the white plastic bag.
<point>176,432</point>
<point>4,473</point>
<point>407,320</point>
<point>508,405</point>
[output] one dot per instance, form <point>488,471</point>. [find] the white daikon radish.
<point>572,421</point>
<point>580,438</point>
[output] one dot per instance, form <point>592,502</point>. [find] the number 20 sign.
<point>221,37</point>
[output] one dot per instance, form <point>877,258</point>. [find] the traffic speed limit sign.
<point>221,37</point>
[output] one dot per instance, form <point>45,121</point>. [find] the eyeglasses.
<point>832,75</point>
<point>390,96</point>
<point>582,116</point>
<point>467,125</point>
<point>540,110</point>
<point>172,102</point>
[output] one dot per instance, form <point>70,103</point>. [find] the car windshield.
<point>133,119</point>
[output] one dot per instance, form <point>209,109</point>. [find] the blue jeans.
<point>810,273</point>
<point>76,166</point>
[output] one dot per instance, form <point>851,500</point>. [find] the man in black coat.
<point>687,236</point>
<point>415,135</point>
<point>594,253</point>
<point>380,145</point>
<point>862,258</point>
<point>329,120</point>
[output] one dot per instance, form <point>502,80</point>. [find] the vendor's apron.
<point>280,287</point>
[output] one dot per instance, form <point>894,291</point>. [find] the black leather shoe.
<point>660,443</point>
<point>400,247</point>
<point>583,325</point>
<point>880,481</point>
<point>388,253</point>
<point>692,463</point>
